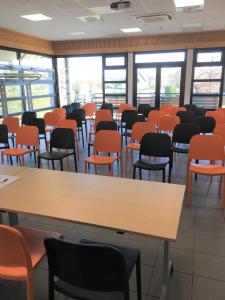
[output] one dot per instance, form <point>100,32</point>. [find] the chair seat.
<point>133,146</point>
<point>53,155</point>
<point>100,160</point>
<point>156,164</point>
<point>207,169</point>
<point>180,149</point>
<point>16,151</point>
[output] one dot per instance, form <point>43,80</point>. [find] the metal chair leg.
<point>138,277</point>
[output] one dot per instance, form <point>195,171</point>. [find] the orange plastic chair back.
<point>168,123</point>
<point>12,123</point>
<point>155,116</point>
<point>15,260</point>
<point>51,119</point>
<point>90,109</point>
<point>175,110</point>
<point>125,106</point>
<point>139,129</point>
<point>27,136</point>
<point>167,107</point>
<point>68,124</point>
<point>107,141</point>
<point>102,115</point>
<point>220,130</point>
<point>217,115</point>
<point>206,147</point>
<point>61,112</point>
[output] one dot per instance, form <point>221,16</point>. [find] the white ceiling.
<point>64,15</point>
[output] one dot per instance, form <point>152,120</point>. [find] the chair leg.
<point>196,176</point>
<point>138,277</point>
<point>85,124</point>
<point>111,170</point>
<point>75,161</point>
<point>140,174</point>
<point>85,167</point>
<point>61,164</point>
<point>82,134</point>
<point>35,159</point>
<point>39,162</point>
<point>134,172</point>
<point>164,175</point>
<point>189,185</point>
<point>95,169</point>
<point>223,202</point>
<point>170,169</point>
<point>53,165</point>
<point>121,167</point>
<point>126,160</point>
<point>30,288</point>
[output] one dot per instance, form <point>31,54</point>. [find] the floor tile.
<point>208,289</point>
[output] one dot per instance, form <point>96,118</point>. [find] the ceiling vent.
<point>191,9</point>
<point>154,18</point>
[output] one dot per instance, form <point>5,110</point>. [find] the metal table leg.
<point>167,269</point>
<point>13,219</point>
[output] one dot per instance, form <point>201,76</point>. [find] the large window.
<point>207,83</point>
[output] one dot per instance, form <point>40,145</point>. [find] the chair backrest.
<point>155,116</point>
<point>3,134</point>
<point>76,117</point>
<point>51,119</point>
<point>167,123</point>
<point>39,123</point>
<point>107,106</point>
<point>217,115</point>
<point>125,106</point>
<point>12,123</point>
<point>144,109</point>
<point>27,136</point>
<point>27,116</point>
<point>90,109</point>
<point>206,147</point>
<point>81,112</point>
<point>62,138</point>
<point>127,113</point>
<point>102,115</point>
<point>131,120</point>
<point>167,107</point>
<point>206,124</point>
<point>183,132</point>
<point>175,110</point>
<point>72,124</point>
<point>106,125</point>
<point>139,129</point>
<point>93,267</point>
<point>107,141</point>
<point>220,130</point>
<point>74,105</point>
<point>14,251</point>
<point>156,144</point>
<point>61,112</point>
<point>190,107</point>
<point>186,116</point>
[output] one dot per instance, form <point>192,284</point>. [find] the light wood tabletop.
<point>10,170</point>
<point>143,207</point>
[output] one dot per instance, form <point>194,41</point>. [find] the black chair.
<point>190,107</point>
<point>103,125</point>
<point>185,116</point>
<point>82,112</point>
<point>78,117</point>
<point>182,135</point>
<point>199,112</point>
<point>75,105</point>
<point>159,146</point>
<point>144,109</point>
<point>27,116</point>
<point>107,106</point>
<point>4,137</point>
<point>130,120</point>
<point>125,114</point>
<point>61,138</point>
<point>40,124</point>
<point>90,270</point>
<point>206,124</point>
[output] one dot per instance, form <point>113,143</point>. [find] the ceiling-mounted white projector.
<point>120,5</point>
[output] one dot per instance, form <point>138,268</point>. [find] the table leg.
<point>13,219</point>
<point>167,269</point>
<point>1,219</point>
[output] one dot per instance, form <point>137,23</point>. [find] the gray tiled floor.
<point>198,254</point>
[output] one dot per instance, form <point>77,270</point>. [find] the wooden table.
<point>142,207</point>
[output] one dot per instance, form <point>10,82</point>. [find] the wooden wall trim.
<point>141,43</point>
<point>17,40</point>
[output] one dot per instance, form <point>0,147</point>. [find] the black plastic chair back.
<point>199,112</point>
<point>190,107</point>
<point>184,132</point>
<point>80,112</point>
<point>144,109</point>
<point>77,117</point>
<point>27,116</point>
<point>88,266</point>
<point>206,124</point>
<point>39,123</point>
<point>75,105</point>
<point>107,106</point>
<point>126,114</point>
<point>156,144</point>
<point>106,125</point>
<point>62,138</point>
<point>3,134</point>
<point>133,119</point>
<point>185,116</point>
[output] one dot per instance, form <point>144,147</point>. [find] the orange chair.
<point>168,123</point>
<point>122,107</point>
<point>175,110</point>
<point>155,116</point>
<point>13,124</point>
<point>25,136</point>
<point>139,129</point>
<point>101,115</point>
<point>107,141</point>
<point>217,115</point>
<point>90,109</point>
<point>205,147</point>
<point>167,107</point>
<point>21,251</point>
<point>61,112</point>
<point>73,125</point>
<point>51,119</point>
<point>220,130</point>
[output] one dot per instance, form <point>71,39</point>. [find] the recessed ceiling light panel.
<point>78,33</point>
<point>188,3</point>
<point>36,17</point>
<point>92,18</point>
<point>131,30</point>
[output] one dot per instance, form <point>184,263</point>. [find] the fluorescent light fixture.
<point>78,33</point>
<point>130,30</point>
<point>36,17</point>
<point>92,18</point>
<point>187,3</point>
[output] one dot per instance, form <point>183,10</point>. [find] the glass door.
<point>146,86</point>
